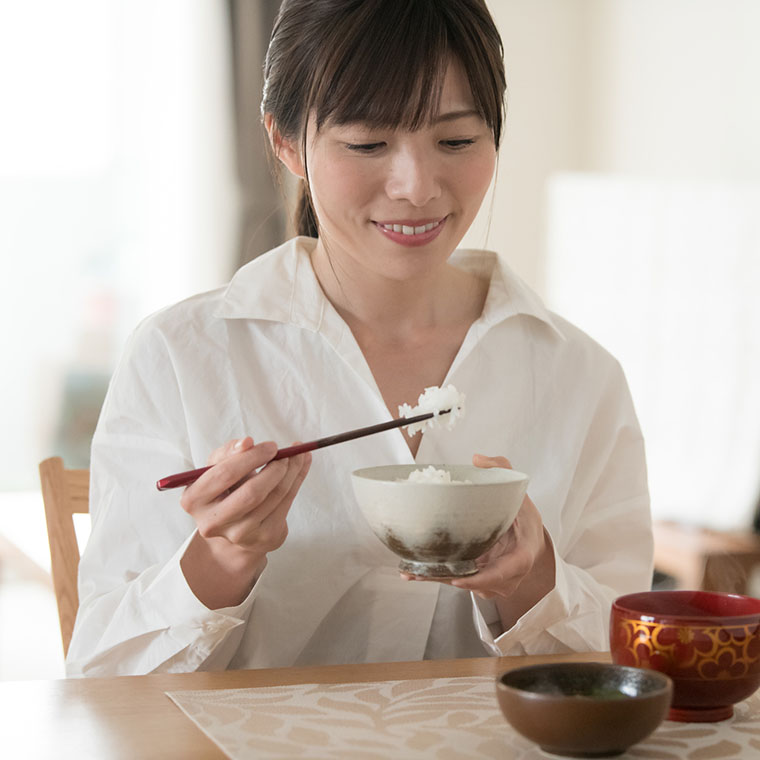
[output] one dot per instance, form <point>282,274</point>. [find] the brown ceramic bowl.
<point>707,642</point>
<point>584,709</point>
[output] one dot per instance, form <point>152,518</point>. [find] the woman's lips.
<point>410,232</point>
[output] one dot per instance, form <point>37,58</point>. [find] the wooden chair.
<point>64,493</point>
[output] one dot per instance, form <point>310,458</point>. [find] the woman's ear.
<point>285,149</point>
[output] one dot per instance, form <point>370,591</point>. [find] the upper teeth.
<point>406,230</point>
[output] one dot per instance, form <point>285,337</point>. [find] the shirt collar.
<point>281,286</point>
<point>508,295</point>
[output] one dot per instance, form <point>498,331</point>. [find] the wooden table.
<point>130,717</point>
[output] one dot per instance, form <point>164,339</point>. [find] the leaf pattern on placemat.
<point>685,733</point>
<point>430,719</point>
<point>642,751</point>
<point>720,749</point>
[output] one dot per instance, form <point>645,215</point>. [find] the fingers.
<point>263,525</point>
<point>273,528</point>
<point>499,578</point>
<point>230,448</point>
<point>481,460</point>
<point>300,476</point>
<point>235,461</point>
<point>258,491</point>
<point>254,513</point>
<point>409,577</point>
<point>281,487</point>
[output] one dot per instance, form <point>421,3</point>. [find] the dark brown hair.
<point>379,62</point>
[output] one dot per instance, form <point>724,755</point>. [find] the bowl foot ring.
<point>559,752</point>
<point>438,569</point>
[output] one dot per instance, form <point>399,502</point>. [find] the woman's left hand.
<point>520,565</point>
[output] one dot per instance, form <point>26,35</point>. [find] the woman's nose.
<point>413,177</point>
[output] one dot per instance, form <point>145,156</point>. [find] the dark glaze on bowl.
<point>707,642</point>
<point>440,556</point>
<point>584,709</point>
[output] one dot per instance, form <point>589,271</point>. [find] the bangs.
<point>388,63</point>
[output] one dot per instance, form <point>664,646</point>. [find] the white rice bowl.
<point>439,524</point>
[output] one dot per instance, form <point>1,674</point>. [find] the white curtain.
<point>666,275</point>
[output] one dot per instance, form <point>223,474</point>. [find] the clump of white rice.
<point>431,475</point>
<point>436,400</point>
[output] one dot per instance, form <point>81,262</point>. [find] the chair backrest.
<point>64,493</point>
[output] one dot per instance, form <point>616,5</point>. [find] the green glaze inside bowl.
<point>590,680</point>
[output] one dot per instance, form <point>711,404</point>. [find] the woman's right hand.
<point>240,507</point>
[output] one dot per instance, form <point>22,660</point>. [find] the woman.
<point>390,111</point>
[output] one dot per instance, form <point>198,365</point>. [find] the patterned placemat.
<point>441,718</point>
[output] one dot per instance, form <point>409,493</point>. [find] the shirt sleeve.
<point>154,623</point>
<point>604,548</point>
<point>137,613</point>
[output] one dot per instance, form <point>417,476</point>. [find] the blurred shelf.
<point>706,559</point>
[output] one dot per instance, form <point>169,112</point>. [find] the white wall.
<point>545,60</point>
<point>674,88</point>
<point>655,100</point>
<point>652,88</point>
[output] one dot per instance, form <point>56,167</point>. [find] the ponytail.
<point>306,219</point>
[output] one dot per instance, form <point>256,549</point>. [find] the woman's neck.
<point>409,330</point>
<point>399,309</point>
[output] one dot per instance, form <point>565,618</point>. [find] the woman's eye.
<point>364,147</point>
<point>458,144</point>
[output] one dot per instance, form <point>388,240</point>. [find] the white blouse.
<point>268,356</point>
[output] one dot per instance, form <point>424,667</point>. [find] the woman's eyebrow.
<point>453,115</point>
<point>439,118</point>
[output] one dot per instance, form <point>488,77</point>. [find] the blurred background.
<point>133,174</point>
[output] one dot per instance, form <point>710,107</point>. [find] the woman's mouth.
<point>410,232</point>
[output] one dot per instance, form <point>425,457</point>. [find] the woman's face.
<point>397,201</point>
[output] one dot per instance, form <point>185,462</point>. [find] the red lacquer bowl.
<point>707,642</point>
